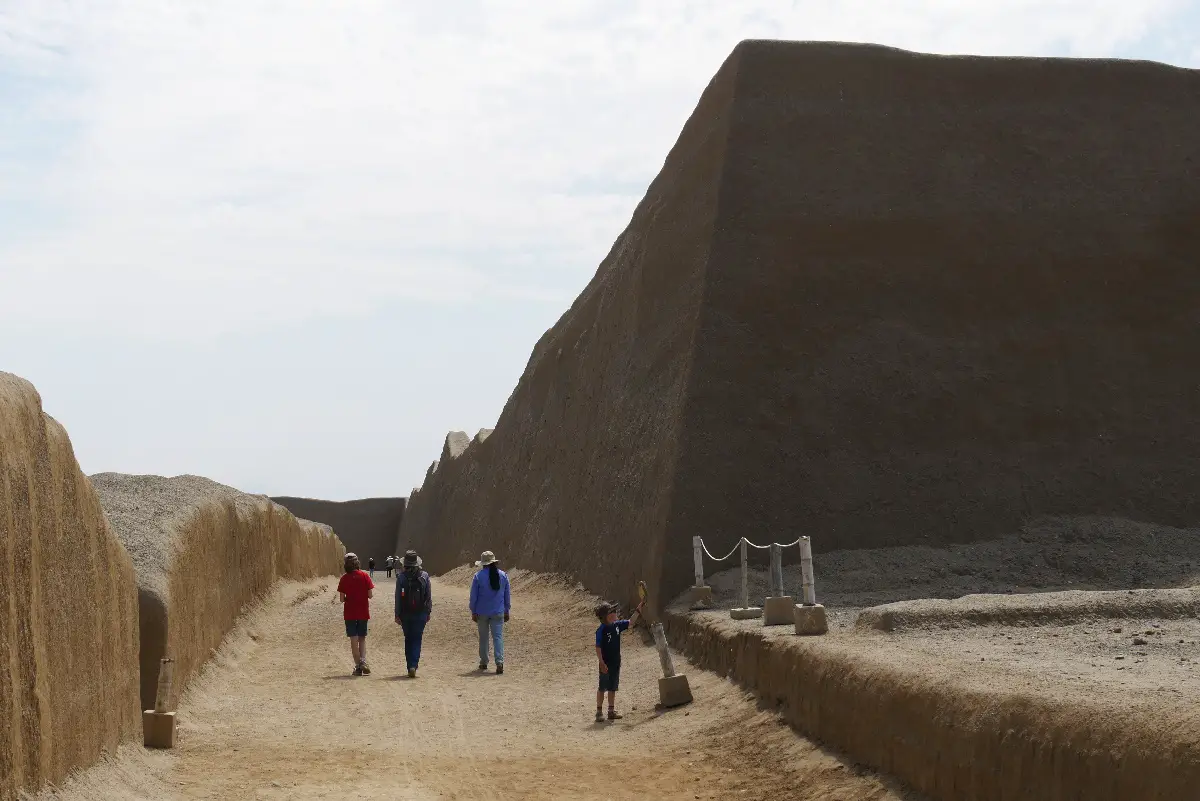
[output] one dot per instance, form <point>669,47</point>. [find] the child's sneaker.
<point>614,715</point>
<point>366,671</point>
<point>599,716</point>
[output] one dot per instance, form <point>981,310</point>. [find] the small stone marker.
<point>777,610</point>
<point>745,611</point>
<point>810,615</point>
<point>673,689</point>
<point>700,595</point>
<point>158,725</point>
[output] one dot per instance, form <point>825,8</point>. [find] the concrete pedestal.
<point>158,729</point>
<point>746,613</point>
<point>811,620</point>
<point>779,611</point>
<point>674,691</point>
<point>700,597</point>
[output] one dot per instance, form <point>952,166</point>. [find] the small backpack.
<point>414,593</point>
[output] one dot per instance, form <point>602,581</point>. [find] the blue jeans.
<point>414,630</point>
<point>495,623</point>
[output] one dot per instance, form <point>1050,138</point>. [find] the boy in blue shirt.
<point>608,652</point>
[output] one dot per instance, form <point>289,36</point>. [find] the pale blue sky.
<point>290,245</point>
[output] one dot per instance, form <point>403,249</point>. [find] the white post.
<point>776,577</point>
<point>698,558</point>
<point>745,575</point>
<point>806,571</point>
<point>664,653</point>
<point>163,695</point>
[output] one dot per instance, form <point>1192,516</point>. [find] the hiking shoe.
<point>599,716</point>
<point>358,670</point>
<point>366,671</point>
<point>614,715</point>
<point>483,665</point>
<point>499,670</point>
<point>412,673</point>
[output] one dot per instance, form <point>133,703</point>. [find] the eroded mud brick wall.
<point>945,295</point>
<point>68,606</point>
<point>368,527</point>
<point>875,297</point>
<point>202,552</point>
<point>576,476</point>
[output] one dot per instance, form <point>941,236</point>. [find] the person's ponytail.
<point>494,576</point>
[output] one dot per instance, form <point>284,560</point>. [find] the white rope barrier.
<point>739,545</point>
<point>774,571</point>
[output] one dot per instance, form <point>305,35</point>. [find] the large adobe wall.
<point>68,606</point>
<point>368,527</point>
<point>876,297</point>
<point>203,551</point>
<point>947,295</point>
<point>584,450</point>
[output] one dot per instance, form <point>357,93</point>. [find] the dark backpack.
<point>414,593</point>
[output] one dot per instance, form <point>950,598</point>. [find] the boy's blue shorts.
<point>356,628</point>
<point>610,681</point>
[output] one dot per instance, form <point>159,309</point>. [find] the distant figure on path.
<point>371,565</point>
<point>491,601</point>
<point>355,590</point>
<point>608,653</point>
<point>388,564</point>
<point>414,604</point>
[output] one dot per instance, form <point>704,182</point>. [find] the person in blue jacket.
<point>490,606</point>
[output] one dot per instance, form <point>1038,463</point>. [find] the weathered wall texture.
<point>202,551</point>
<point>368,527</point>
<point>948,735</point>
<point>876,297</point>
<point>68,606</point>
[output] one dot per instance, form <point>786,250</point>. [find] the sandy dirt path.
<point>277,715</point>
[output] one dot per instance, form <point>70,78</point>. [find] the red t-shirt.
<point>355,586</point>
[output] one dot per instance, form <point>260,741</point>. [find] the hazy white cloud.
<point>290,244</point>
<point>185,162</point>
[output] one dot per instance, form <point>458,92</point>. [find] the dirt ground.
<point>1145,661</point>
<point>277,715</point>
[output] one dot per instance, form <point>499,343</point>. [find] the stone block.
<point>779,611</point>
<point>674,690</point>
<point>699,597</point>
<point>158,729</point>
<point>811,620</point>
<point>746,613</point>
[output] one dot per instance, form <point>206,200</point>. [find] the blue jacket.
<point>485,600</point>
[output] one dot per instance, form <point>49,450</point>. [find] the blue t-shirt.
<point>608,640</point>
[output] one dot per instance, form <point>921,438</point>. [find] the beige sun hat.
<point>486,558</point>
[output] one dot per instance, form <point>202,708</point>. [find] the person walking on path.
<point>414,604</point>
<point>491,602</point>
<point>355,591</point>
<point>388,564</point>
<point>371,565</point>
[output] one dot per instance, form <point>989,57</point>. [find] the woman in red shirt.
<point>355,590</point>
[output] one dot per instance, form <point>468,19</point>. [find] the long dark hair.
<point>494,575</point>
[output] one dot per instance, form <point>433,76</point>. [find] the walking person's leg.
<point>406,626</point>
<point>483,641</point>
<point>498,641</point>
<point>418,629</point>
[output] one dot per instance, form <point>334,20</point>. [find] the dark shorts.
<point>610,681</point>
<point>356,628</point>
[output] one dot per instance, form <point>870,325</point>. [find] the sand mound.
<point>203,551</point>
<point>873,296</point>
<point>68,602</point>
